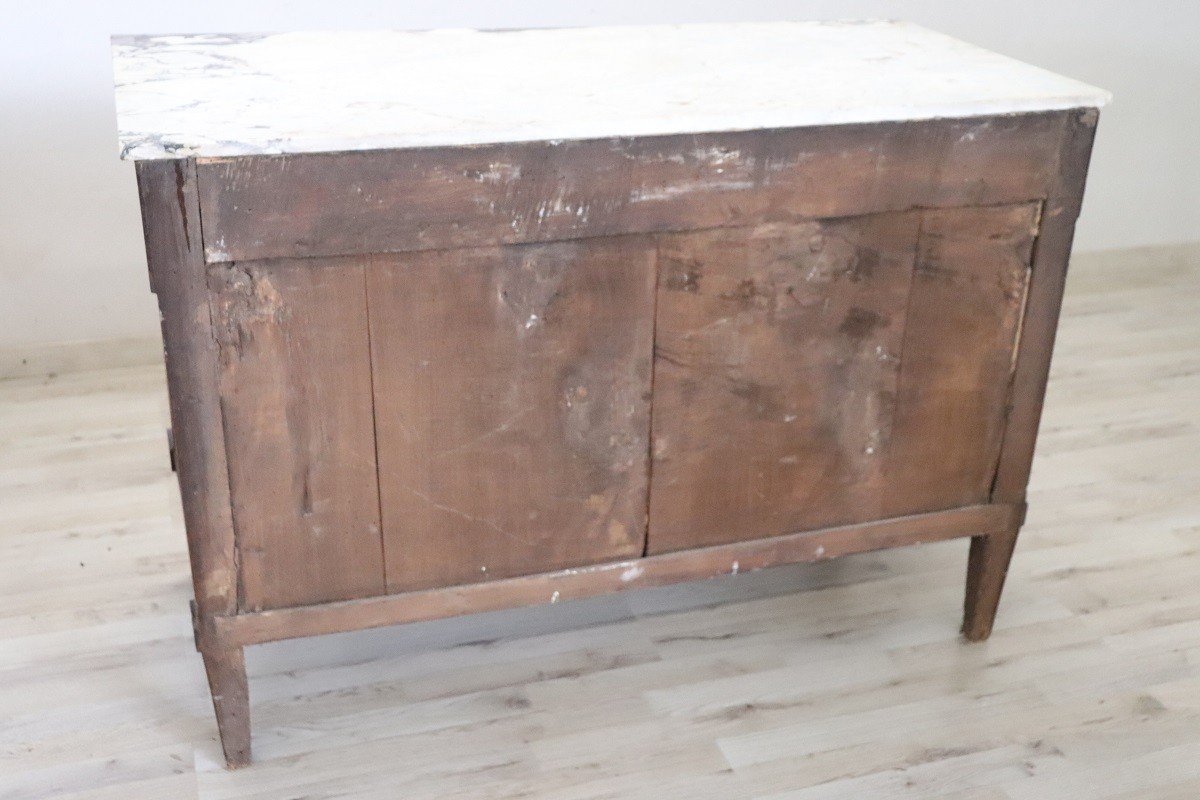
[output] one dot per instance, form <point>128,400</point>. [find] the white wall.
<point>71,258</point>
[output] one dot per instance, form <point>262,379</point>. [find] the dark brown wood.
<point>512,390</point>
<point>570,584</point>
<point>296,397</point>
<point>382,201</point>
<point>963,313</point>
<point>832,372</point>
<point>171,222</point>
<point>459,343</point>
<point>775,371</point>
<point>989,559</point>
<point>1047,280</point>
<point>987,566</point>
<point>226,671</point>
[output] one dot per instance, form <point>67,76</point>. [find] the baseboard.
<point>43,359</point>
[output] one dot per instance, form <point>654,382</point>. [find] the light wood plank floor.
<point>841,680</point>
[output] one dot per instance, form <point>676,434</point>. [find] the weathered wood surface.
<point>987,567</point>
<point>775,372</point>
<point>836,309</point>
<point>832,372</point>
<point>171,223</point>
<point>1047,280</point>
<point>225,668</point>
<point>296,397</point>
<point>964,310</point>
<point>990,557</point>
<point>340,203</point>
<point>512,393</point>
<point>570,584</point>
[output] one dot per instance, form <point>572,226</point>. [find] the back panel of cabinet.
<point>830,372</point>
<point>512,400</point>
<point>295,389</point>
<point>397,422</point>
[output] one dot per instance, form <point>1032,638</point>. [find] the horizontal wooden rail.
<point>380,201</point>
<point>572,584</point>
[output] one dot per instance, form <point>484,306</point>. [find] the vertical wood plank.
<point>963,313</point>
<point>775,374</point>
<point>296,394</point>
<point>987,567</point>
<point>225,668</point>
<point>171,224</point>
<point>990,556</point>
<point>1047,280</point>
<point>512,392</point>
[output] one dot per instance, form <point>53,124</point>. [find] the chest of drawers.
<point>458,321</point>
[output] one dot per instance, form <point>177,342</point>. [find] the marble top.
<point>225,95</point>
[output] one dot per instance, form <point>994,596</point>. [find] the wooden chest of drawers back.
<point>412,382</point>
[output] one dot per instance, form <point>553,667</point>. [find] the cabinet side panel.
<point>512,395</point>
<point>171,221</point>
<point>775,376</point>
<point>964,312</point>
<point>296,393</point>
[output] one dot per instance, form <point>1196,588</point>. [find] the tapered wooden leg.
<point>226,670</point>
<point>987,565</point>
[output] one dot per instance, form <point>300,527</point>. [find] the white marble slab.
<point>217,95</point>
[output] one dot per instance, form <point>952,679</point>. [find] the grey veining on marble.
<point>226,95</point>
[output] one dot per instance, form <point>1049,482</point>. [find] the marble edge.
<point>161,148</point>
<point>135,147</point>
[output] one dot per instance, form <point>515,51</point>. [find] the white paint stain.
<point>554,598</point>
<point>498,172</point>
<point>633,573</point>
<point>649,194</point>
<point>820,550</point>
<point>716,155</point>
<point>734,569</point>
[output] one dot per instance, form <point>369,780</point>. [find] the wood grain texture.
<point>987,567</point>
<point>296,398</point>
<point>1047,281</point>
<point>655,570</point>
<point>964,310</point>
<point>836,314</point>
<point>381,201</point>
<point>225,669</point>
<point>776,364</point>
<point>832,372</point>
<point>171,223</point>
<point>512,390</point>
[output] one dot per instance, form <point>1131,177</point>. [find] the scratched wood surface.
<point>512,394</point>
<point>832,372</point>
<point>296,396</point>
<point>171,213</point>
<point>341,203</point>
<point>964,309</point>
<point>843,680</point>
<point>775,372</point>
<point>472,400</point>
